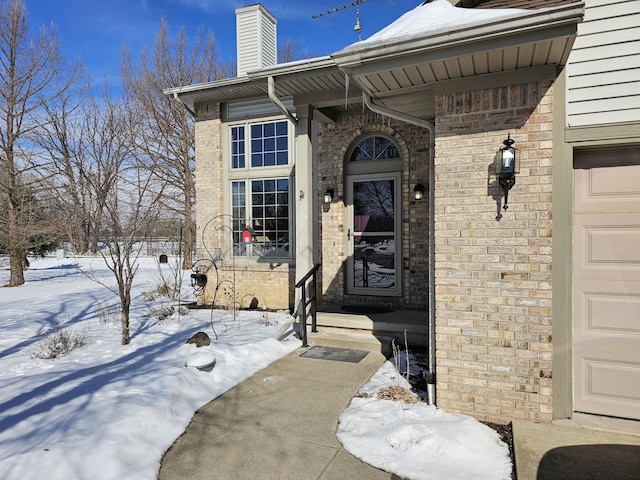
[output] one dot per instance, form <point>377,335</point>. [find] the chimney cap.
<point>257,6</point>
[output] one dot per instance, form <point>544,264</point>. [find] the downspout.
<point>430,376</point>
<point>277,102</point>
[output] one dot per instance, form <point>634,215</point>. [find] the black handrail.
<point>302,306</point>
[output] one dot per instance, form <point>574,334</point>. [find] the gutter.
<point>277,102</point>
<point>430,376</point>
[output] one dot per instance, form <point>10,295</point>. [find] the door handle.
<point>349,234</point>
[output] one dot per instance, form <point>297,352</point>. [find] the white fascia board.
<point>289,68</point>
<point>228,82</point>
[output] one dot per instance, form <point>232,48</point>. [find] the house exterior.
<point>532,311</point>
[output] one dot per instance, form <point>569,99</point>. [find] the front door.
<point>373,238</point>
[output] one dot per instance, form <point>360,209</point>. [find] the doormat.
<point>365,309</point>
<point>336,354</point>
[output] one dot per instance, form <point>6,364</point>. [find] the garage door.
<point>606,291</point>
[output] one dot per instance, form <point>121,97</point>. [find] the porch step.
<point>388,324</point>
<point>341,338</point>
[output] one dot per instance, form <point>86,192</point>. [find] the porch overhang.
<point>396,71</point>
<point>390,68</point>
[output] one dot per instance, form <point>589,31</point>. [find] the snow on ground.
<point>417,441</point>
<point>108,411</point>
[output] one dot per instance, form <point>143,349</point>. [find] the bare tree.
<point>167,135</point>
<point>62,140</point>
<point>126,195</point>
<point>289,51</point>
<point>131,211</point>
<point>32,74</point>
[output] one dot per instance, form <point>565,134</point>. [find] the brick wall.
<point>208,173</point>
<point>493,278</point>
<point>334,142</point>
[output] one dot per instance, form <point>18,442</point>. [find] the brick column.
<point>493,278</point>
<point>209,185</point>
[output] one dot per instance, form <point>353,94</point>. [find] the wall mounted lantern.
<point>328,195</point>
<point>418,191</point>
<point>507,165</point>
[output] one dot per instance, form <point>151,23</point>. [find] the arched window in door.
<point>374,148</point>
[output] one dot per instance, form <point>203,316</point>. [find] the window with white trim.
<point>260,187</point>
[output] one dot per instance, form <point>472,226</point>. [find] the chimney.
<point>256,38</point>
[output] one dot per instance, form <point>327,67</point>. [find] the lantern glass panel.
<point>506,161</point>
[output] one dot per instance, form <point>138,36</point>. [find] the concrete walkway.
<point>279,424</point>
<point>585,447</point>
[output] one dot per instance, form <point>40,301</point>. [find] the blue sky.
<point>96,30</point>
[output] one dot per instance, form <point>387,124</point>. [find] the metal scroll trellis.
<point>202,266</point>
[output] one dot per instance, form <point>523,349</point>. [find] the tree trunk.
<point>125,304</point>
<point>16,266</point>
<point>16,254</point>
<point>187,240</point>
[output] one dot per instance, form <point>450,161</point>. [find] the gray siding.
<point>604,66</point>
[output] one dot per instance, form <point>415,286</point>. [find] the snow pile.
<point>418,441</point>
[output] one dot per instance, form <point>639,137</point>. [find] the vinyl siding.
<point>604,66</point>
<point>268,49</point>
<point>256,39</point>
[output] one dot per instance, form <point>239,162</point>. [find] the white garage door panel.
<point>614,245</point>
<point>606,286</point>
<point>609,190</point>
<point>614,181</point>
<point>605,309</point>
<point>608,246</point>
<point>610,381</point>
<point>614,313</point>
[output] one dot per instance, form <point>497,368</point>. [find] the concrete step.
<point>341,338</point>
<point>389,324</point>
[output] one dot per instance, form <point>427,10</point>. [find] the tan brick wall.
<point>271,285</point>
<point>208,172</point>
<point>272,288</point>
<point>334,142</point>
<point>493,278</point>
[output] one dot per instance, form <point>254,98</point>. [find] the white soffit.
<point>404,56</point>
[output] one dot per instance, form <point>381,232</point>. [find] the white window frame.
<point>249,173</point>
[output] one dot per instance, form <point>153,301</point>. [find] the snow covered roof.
<point>437,16</point>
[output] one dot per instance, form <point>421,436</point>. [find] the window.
<point>237,147</point>
<point>374,148</point>
<point>260,189</point>
<point>269,144</point>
